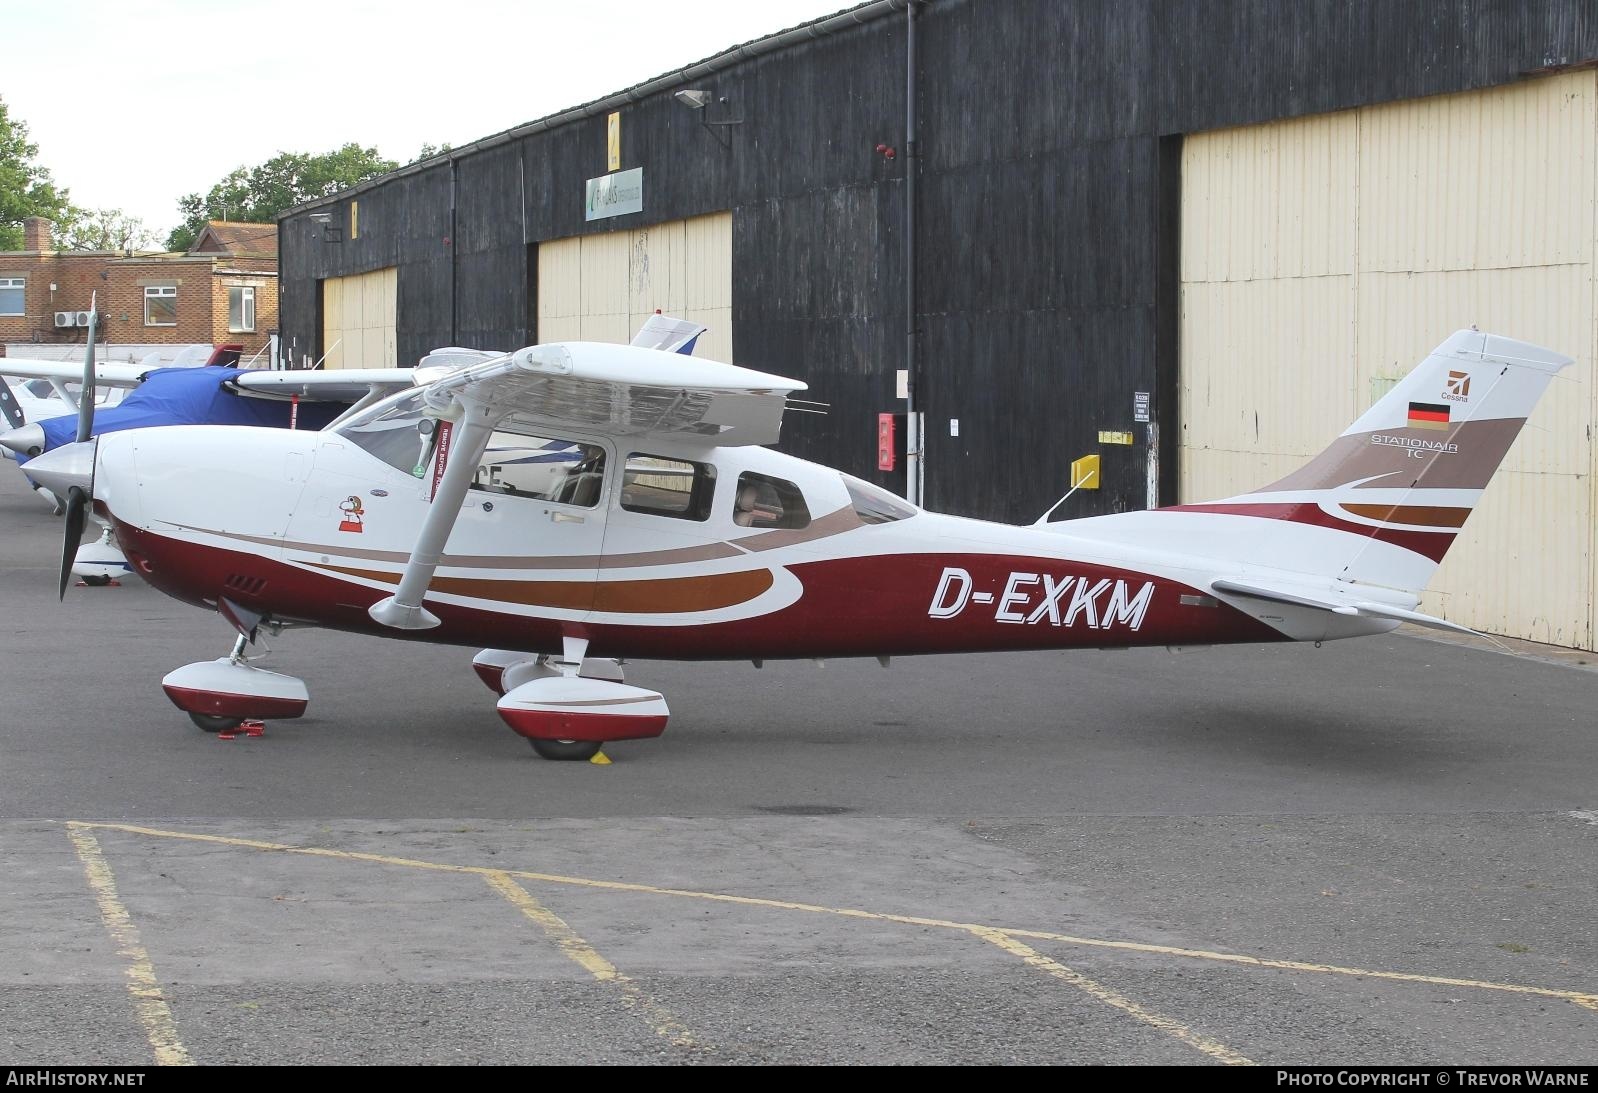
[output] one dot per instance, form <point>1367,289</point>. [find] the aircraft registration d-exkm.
<point>572,505</point>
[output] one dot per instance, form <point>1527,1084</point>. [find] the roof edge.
<point>720,62</point>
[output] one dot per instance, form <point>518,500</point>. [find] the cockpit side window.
<point>765,502</point>
<point>875,505</point>
<point>563,471</point>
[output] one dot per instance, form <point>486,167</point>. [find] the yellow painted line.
<point>1578,997</point>
<point>1581,998</point>
<point>1109,997</point>
<point>148,1001</point>
<point>580,952</point>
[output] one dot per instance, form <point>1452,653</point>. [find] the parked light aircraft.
<point>677,535</point>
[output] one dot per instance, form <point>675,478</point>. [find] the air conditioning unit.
<point>85,318</point>
<point>66,318</point>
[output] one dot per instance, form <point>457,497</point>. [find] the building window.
<point>658,486</point>
<point>161,305</point>
<point>12,293</point>
<point>240,309</point>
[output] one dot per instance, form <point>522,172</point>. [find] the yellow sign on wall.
<point>1114,438</point>
<point>1085,472</point>
<point>613,140</point>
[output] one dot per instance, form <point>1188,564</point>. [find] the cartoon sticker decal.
<point>354,513</point>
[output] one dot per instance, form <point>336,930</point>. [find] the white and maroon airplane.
<point>574,505</point>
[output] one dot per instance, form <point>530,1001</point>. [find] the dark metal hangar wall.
<point>1049,153</point>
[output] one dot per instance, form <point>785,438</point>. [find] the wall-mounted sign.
<point>615,195</point>
<point>613,141</point>
<point>1140,406</point>
<point>1114,438</point>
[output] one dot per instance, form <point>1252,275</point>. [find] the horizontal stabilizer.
<point>1364,608</point>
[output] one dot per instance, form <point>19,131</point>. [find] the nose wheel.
<point>214,723</point>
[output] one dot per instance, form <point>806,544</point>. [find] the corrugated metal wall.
<point>602,287</point>
<point>1323,257</point>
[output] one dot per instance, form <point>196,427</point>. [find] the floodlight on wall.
<point>700,101</point>
<point>329,234</point>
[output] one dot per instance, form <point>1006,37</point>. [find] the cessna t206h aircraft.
<point>573,505</point>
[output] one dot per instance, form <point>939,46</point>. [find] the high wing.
<point>620,390</point>
<point>108,374</point>
<point>340,385</point>
<point>624,391</point>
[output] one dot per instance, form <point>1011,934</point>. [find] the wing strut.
<point>403,610</point>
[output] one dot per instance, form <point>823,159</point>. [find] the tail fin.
<point>1401,480</point>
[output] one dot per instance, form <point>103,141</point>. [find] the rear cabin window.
<point>658,486</point>
<point>766,502</point>
<point>563,471</point>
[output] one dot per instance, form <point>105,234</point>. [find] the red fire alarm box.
<point>887,450</point>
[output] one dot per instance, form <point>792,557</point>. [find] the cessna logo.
<point>1458,387</point>
<point>1031,598</point>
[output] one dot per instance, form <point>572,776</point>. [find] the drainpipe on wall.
<point>454,248</point>
<point>915,463</point>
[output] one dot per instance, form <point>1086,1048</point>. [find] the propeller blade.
<point>72,537</point>
<point>9,408</point>
<point>86,394</point>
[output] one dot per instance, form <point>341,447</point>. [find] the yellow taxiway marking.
<point>148,1001</point>
<point>1580,998</point>
<point>1587,999</point>
<point>1212,1048</point>
<point>580,952</point>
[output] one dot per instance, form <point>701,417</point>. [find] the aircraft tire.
<point>213,723</point>
<point>574,751</point>
<point>96,582</point>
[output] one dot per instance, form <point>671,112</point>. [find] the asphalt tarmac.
<point>1381,851</point>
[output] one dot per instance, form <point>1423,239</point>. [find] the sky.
<point>135,103</point>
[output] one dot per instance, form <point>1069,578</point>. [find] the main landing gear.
<point>569,707</point>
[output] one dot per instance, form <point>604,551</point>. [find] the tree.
<point>257,194</point>
<point>104,229</point>
<point>26,189</point>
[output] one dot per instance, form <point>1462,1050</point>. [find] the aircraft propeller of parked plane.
<point>641,516</point>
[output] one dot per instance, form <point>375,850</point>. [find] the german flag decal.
<point>1428,415</point>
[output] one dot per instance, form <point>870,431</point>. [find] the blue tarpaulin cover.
<point>189,396</point>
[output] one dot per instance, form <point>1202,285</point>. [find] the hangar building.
<point>1249,218</point>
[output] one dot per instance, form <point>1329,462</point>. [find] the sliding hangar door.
<point>1323,257</point>
<point>601,287</point>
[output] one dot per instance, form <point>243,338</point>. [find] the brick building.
<point>223,289</point>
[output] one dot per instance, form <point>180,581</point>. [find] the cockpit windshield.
<point>400,431</point>
<point>875,505</point>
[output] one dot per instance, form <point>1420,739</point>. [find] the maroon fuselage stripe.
<point>1428,544</point>
<point>859,606</point>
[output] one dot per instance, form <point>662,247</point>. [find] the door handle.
<point>566,518</point>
